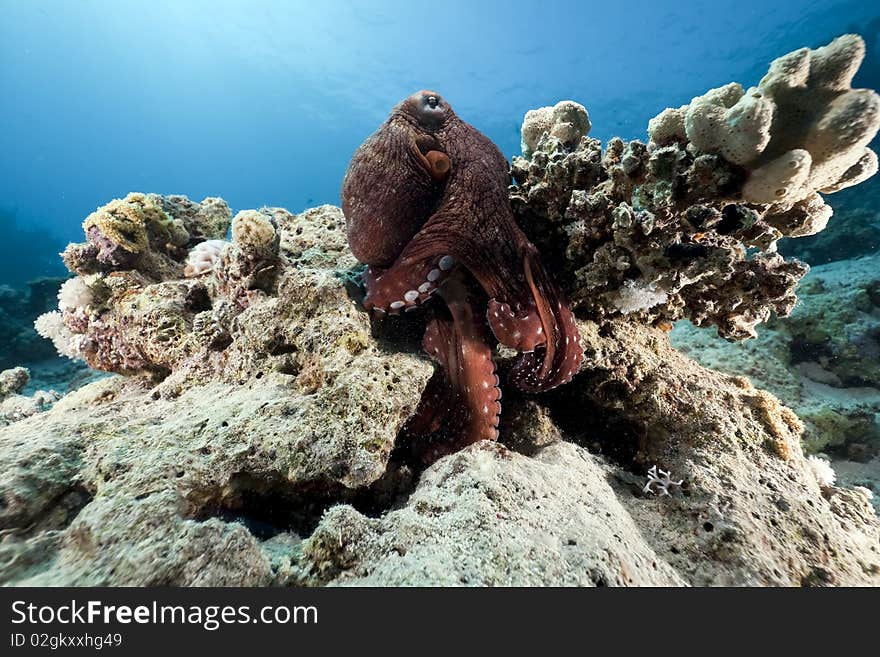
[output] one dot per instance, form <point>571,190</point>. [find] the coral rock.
<point>567,121</point>
<point>263,455</point>
<point>802,130</point>
<point>489,517</point>
<point>823,361</point>
<point>656,234</point>
<point>13,380</point>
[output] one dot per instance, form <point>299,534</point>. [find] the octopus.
<point>426,205</point>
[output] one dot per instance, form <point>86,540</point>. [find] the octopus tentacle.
<point>526,311</point>
<point>407,284</point>
<point>559,358</point>
<point>523,330</point>
<point>461,404</point>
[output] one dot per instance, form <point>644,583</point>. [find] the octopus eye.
<point>428,108</point>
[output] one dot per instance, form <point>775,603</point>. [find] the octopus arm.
<point>462,400</point>
<point>489,249</point>
<point>559,358</point>
<point>423,266</point>
<point>526,311</point>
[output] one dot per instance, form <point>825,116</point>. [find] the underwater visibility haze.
<point>263,103</point>
<point>397,294</point>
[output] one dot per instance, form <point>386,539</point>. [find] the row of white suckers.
<point>445,264</point>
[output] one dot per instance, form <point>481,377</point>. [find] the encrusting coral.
<point>683,217</point>
<point>140,232</point>
<point>254,438</point>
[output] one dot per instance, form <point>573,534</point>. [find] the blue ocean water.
<point>263,102</point>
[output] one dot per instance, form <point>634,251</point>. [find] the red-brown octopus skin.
<point>425,197</point>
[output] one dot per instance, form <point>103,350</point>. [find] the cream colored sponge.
<point>567,120</point>
<point>802,130</point>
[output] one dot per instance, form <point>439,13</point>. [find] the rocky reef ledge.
<point>252,443</point>
<point>248,435</point>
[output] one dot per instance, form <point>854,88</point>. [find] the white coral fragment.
<point>636,295</point>
<point>51,326</point>
<point>203,257</point>
<point>867,493</point>
<point>662,479</point>
<point>74,294</point>
<point>822,470</point>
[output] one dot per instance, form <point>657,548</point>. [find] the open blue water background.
<point>263,102</point>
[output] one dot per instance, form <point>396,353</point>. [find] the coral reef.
<point>253,438</point>
<point>823,361</point>
<point>266,458</point>
<point>146,232</point>
<point>263,316</point>
<point>291,378</point>
<point>682,216</point>
<point>566,515</point>
<point>230,483</point>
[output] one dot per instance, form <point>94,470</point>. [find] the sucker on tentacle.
<point>401,289</point>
